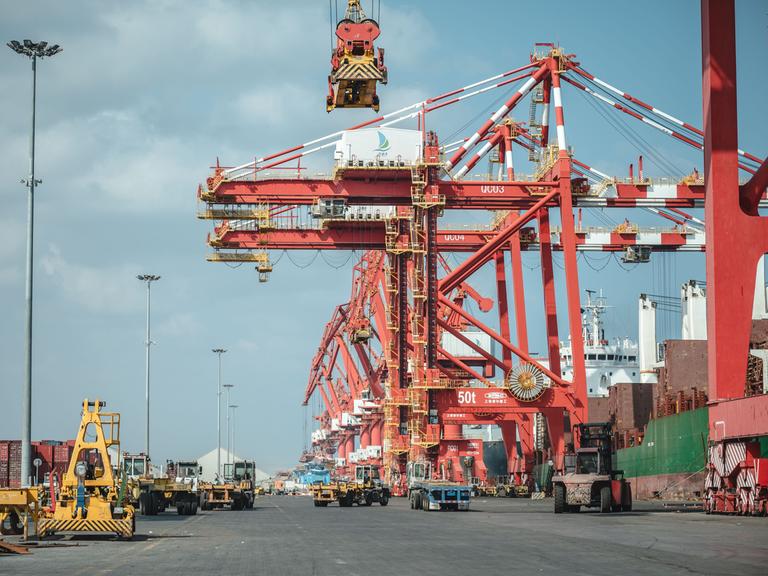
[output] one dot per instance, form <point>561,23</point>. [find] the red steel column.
<point>365,436</point>
<point>501,295</point>
<point>509,434</point>
<point>568,240</point>
<point>376,433</point>
<point>349,445</point>
<point>548,282</point>
<point>735,239</point>
<point>555,425</point>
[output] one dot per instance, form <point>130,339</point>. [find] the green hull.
<point>672,445</point>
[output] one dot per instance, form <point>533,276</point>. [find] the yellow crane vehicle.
<point>364,490</point>
<point>18,507</point>
<point>236,491</point>
<point>90,498</point>
<point>178,488</point>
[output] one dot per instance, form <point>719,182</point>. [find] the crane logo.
<point>384,144</point>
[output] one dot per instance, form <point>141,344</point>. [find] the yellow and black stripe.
<point>48,526</point>
<point>357,71</point>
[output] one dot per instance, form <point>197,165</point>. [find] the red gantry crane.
<point>398,358</point>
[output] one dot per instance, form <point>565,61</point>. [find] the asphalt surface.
<point>287,535</point>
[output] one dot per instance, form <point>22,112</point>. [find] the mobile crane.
<point>355,67</point>
<point>92,497</point>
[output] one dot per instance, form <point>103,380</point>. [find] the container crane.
<point>356,66</point>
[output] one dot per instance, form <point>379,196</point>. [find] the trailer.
<point>177,489</point>
<point>365,490</point>
<point>218,496</point>
<point>427,494</point>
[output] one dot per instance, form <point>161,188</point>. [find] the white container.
<point>456,347</point>
<point>379,144</point>
<point>348,419</point>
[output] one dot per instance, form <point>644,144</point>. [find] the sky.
<point>148,94</point>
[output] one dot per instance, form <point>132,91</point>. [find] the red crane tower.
<point>391,206</point>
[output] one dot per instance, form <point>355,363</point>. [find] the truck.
<point>425,493</point>
<point>589,478</point>
<point>242,475</point>
<point>364,490</point>
<point>178,488</point>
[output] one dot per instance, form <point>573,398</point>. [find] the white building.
<point>208,463</point>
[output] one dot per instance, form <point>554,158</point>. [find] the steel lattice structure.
<point>381,368</point>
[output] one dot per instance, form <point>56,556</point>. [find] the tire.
<point>384,500</point>
<point>181,508</point>
<point>425,503</point>
<point>368,499</point>
<point>501,492</point>
<point>153,506</point>
<point>316,503</point>
<point>417,501</point>
<point>559,497</point>
<point>626,497</point>
<point>143,504</point>
<point>605,499</point>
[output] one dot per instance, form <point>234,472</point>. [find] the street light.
<point>148,278</point>
<point>229,399</point>
<point>234,458</point>
<point>33,50</point>
<point>218,351</point>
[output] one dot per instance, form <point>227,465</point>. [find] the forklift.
<point>589,478</point>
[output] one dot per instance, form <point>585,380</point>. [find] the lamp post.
<point>148,278</point>
<point>219,352</point>
<point>234,458</point>
<point>229,399</point>
<point>33,50</point>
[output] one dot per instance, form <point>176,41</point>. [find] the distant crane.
<point>355,67</point>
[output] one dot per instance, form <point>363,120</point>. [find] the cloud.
<point>273,105</point>
<point>182,324</point>
<point>109,290</point>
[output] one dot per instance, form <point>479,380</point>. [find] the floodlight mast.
<point>33,50</point>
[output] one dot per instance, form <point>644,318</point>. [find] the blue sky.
<point>146,96</point>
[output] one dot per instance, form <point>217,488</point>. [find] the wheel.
<point>605,499</point>
<point>249,504</point>
<point>425,503</point>
<point>417,501</point>
<point>501,492</point>
<point>316,503</point>
<point>181,508</point>
<point>12,525</point>
<point>153,504</point>
<point>626,497</point>
<point>559,497</point>
<point>143,504</point>
<point>384,500</point>
<point>368,499</point>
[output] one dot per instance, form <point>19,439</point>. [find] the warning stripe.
<point>357,71</point>
<point>49,526</point>
<point>735,454</point>
<point>716,458</point>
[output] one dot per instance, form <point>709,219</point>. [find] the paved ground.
<point>287,535</point>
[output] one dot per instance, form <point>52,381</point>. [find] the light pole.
<point>218,351</point>
<point>234,458</point>
<point>33,50</point>
<point>148,278</point>
<point>229,399</point>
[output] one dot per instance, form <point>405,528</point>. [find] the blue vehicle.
<point>426,494</point>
